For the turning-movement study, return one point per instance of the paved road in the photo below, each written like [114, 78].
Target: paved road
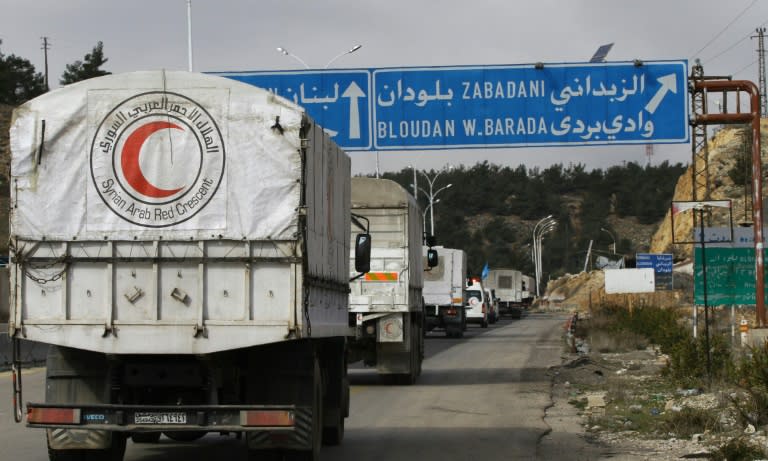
[483, 397]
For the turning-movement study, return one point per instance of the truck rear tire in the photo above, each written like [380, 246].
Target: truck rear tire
[146, 437]
[312, 454]
[80, 377]
[415, 357]
[265, 455]
[336, 392]
[185, 436]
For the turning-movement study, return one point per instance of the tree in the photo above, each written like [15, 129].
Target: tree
[88, 68]
[18, 80]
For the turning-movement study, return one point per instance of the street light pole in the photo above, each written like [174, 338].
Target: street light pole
[544, 225]
[415, 185]
[535, 255]
[424, 220]
[189, 34]
[285, 52]
[612, 238]
[548, 227]
[432, 194]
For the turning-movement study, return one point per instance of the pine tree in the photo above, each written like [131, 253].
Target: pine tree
[88, 68]
[18, 80]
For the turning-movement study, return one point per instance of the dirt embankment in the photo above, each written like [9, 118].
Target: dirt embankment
[581, 292]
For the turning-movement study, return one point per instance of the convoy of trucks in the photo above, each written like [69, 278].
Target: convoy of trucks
[444, 287]
[198, 258]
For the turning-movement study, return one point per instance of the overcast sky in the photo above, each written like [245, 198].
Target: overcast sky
[242, 35]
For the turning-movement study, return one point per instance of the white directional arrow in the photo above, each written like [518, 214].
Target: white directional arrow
[668, 83]
[353, 92]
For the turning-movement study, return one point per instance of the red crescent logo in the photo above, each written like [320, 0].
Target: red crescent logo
[130, 160]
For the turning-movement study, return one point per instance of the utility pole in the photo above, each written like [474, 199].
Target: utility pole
[189, 35]
[761, 70]
[46, 46]
[649, 152]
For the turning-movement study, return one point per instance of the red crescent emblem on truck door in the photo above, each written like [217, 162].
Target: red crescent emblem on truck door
[132, 167]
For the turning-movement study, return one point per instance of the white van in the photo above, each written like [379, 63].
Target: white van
[476, 305]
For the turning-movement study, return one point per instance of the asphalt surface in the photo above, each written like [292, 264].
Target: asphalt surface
[484, 397]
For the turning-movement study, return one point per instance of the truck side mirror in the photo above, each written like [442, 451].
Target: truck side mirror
[431, 258]
[363, 253]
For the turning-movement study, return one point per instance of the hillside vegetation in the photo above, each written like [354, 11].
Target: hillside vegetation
[490, 211]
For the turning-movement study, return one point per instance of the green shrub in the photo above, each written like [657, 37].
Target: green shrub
[751, 374]
[691, 421]
[659, 326]
[688, 361]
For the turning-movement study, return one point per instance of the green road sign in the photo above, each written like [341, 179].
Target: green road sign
[730, 276]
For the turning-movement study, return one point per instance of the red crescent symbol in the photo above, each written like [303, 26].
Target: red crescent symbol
[130, 160]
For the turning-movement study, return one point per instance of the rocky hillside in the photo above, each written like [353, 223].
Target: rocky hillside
[724, 150]
[579, 292]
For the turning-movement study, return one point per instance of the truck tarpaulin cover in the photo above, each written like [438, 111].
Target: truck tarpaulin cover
[131, 155]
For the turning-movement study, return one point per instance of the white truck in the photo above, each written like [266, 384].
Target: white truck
[182, 243]
[506, 287]
[386, 305]
[443, 291]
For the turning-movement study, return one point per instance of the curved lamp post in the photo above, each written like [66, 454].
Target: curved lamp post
[285, 52]
[349, 51]
[432, 194]
[545, 229]
[544, 226]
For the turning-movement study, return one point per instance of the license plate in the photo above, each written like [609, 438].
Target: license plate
[160, 418]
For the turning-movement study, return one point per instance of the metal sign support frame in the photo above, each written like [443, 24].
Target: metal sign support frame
[752, 117]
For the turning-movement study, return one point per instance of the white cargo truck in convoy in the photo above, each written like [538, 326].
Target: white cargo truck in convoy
[506, 285]
[386, 305]
[443, 291]
[182, 243]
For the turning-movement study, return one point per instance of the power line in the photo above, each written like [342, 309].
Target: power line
[732, 46]
[725, 28]
[726, 50]
[746, 67]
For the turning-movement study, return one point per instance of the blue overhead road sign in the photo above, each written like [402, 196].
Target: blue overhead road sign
[516, 106]
[492, 106]
[336, 100]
